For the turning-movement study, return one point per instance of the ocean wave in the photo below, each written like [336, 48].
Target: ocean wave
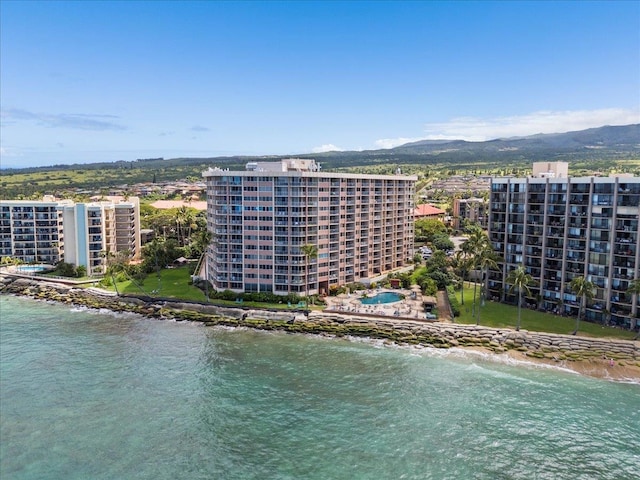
[462, 354]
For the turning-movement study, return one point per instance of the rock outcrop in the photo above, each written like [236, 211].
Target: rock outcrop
[440, 335]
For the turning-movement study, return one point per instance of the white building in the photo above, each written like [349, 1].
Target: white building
[49, 231]
[92, 230]
[30, 231]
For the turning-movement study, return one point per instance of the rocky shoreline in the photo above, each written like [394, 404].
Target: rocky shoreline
[610, 358]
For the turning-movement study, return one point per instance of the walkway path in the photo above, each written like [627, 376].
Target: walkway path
[444, 308]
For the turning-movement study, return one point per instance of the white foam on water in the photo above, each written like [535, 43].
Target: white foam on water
[473, 354]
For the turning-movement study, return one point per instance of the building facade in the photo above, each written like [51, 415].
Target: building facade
[560, 227]
[50, 231]
[126, 215]
[470, 209]
[362, 226]
[30, 231]
[93, 230]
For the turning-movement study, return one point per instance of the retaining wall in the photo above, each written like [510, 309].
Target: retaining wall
[436, 334]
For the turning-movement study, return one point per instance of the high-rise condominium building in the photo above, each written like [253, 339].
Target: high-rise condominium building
[361, 225]
[93, 230]
[79, 233]
[30, 231]
[559, 228]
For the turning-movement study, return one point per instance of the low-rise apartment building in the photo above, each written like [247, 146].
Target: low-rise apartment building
[561, 227]
[361, 225]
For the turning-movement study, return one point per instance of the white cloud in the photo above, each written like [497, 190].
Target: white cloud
[9, 152]
[478, 129]
[395, 142]
[78, 121]
[481, 129]
[327, 148]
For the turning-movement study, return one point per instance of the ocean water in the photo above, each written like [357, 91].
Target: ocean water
[93, 395]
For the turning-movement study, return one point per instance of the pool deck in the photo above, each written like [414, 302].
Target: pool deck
[412, 306]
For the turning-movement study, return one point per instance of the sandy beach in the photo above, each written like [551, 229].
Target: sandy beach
[600, 368]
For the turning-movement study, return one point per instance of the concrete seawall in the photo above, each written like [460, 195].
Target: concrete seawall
[547, 346]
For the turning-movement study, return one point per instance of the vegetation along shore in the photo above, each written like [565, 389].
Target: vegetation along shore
[606, 358]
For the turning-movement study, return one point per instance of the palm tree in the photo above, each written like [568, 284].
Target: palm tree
[201, 241]
[192, 225]
[183, 218]
[487, 259]
[634, 289]
[309, 251]
[585, 290]
[471, 247]
[204, 239]
[462, 262]
[520, 280]
[114, 263]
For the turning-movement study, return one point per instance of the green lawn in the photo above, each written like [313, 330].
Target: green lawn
[173, 283]
[495, 314]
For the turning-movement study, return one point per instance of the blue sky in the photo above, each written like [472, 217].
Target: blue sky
[105, 81]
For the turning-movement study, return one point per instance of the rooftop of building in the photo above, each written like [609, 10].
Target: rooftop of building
[592, 178]
[296, 167]
[426, 210]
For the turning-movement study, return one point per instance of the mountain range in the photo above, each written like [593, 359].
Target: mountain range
[585, 146]
[625, 138]
[608, 142]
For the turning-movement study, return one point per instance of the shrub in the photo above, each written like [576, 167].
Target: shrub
[333, 290]
[453, 301]
[65, 269]
[356, 286]
[81, 271]
[428, 286]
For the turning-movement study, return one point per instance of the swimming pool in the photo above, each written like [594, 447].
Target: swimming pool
[32, 268]
[384, 297]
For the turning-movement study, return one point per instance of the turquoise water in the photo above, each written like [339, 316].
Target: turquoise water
[32, 268]
[384, 297]
[90, 395]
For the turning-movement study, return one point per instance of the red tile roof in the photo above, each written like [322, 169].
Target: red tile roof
[426, 210]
